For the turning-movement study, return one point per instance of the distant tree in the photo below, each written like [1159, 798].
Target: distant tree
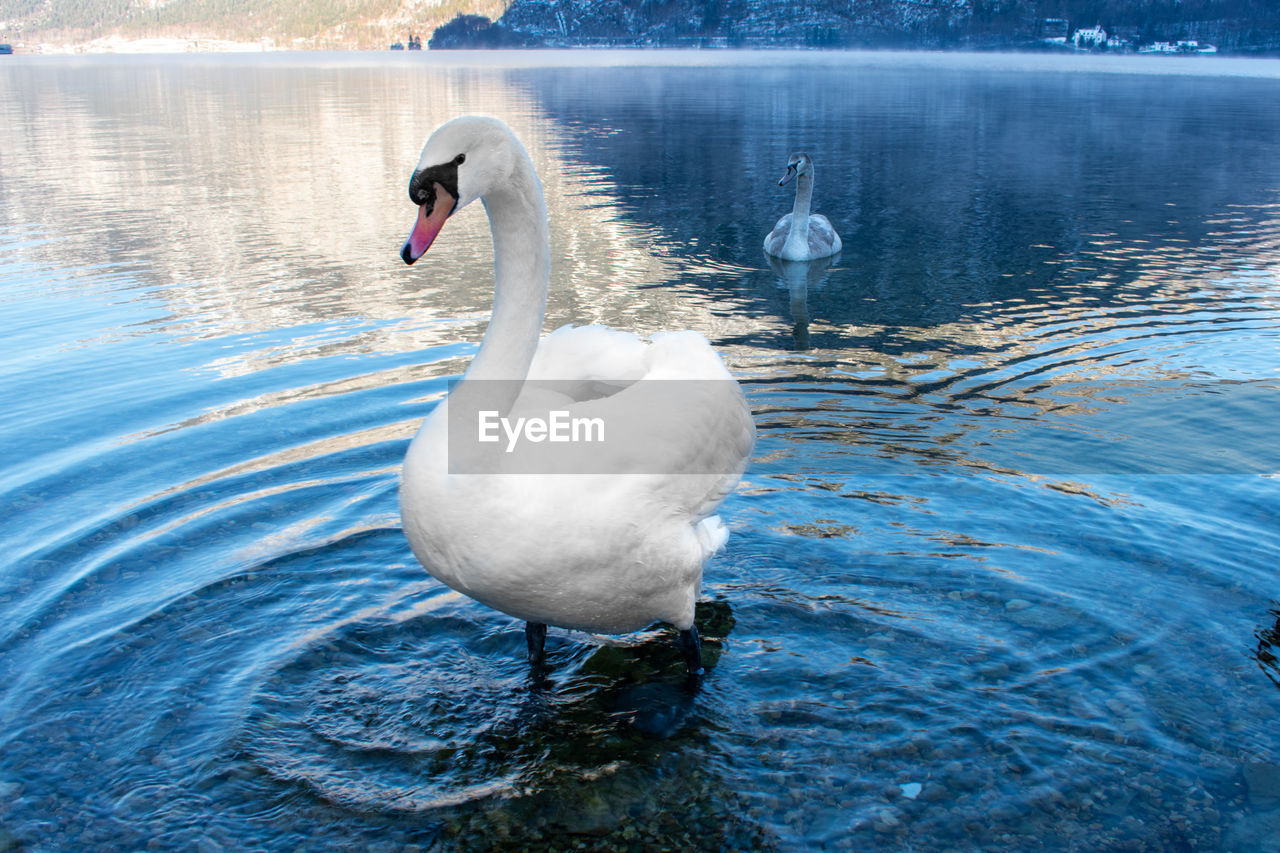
[467, 31]
[711, 13]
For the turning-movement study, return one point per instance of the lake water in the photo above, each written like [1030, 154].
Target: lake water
[1003, 569]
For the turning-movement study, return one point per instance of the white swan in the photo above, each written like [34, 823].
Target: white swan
[608, 550]
[801, 235]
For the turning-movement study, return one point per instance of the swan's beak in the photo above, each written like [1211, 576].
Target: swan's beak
[430, 220]
[790, 173]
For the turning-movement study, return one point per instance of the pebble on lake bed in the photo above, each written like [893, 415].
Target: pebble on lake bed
[885, 821]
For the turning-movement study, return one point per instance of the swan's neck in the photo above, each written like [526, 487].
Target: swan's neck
[522, 268]
[800, 211]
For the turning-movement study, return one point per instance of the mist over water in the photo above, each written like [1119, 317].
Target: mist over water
[1001, 574]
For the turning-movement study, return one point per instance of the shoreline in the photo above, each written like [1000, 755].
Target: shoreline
[120, 44]
[116, 44]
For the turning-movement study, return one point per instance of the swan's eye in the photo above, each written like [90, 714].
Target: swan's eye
[460, 159]
[421, 188]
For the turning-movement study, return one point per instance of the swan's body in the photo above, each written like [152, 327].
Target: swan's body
[801, 235]
[609, 549]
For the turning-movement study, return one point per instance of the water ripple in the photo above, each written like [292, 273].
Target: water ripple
[1001, 574]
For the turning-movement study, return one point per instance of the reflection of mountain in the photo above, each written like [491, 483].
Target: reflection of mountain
[244, 193]
[952, 189]
[257, 195]
[251, 196]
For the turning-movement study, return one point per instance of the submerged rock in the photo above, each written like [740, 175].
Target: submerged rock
[1262, 782]
[1259, 833]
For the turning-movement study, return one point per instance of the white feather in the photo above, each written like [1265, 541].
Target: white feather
[607, 552]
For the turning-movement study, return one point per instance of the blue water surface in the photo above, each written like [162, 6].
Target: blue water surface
[1001, 573]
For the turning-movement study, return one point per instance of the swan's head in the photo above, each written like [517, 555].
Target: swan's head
[797, 164]
[463, 159]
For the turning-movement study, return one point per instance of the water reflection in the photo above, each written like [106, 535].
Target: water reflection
[798, 278]
[1268, 642]
[959, 196]
[381, 716]
[285, 215]
[213, 632]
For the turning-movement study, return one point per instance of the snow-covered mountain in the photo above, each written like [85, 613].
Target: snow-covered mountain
[1236, 25]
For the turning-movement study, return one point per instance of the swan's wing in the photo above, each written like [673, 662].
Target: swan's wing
[739, 437]
[822, 236]
[596, 352]
[675, 414]
[586, 362]
[687, 424]
[777, 238]
[821, 223]
[720, 432]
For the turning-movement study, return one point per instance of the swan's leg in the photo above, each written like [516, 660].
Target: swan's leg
[535, 633]
[691, 648]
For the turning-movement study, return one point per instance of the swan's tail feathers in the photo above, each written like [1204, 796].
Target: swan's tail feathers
[712, 534]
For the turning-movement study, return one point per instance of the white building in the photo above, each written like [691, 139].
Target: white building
[1090, 37]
